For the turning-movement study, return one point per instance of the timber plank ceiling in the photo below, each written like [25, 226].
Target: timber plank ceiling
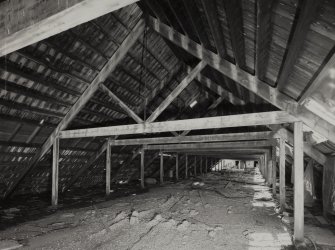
[285, 43]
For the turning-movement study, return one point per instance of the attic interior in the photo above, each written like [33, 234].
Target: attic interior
[189, 124]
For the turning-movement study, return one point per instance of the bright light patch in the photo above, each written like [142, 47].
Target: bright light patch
[332, 73]
[193, 103]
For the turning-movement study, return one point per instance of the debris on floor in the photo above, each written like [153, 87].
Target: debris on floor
[211, 214]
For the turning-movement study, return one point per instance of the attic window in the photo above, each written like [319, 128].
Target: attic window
[193, 103]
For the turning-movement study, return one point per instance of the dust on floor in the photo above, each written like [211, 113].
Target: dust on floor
[233, 210]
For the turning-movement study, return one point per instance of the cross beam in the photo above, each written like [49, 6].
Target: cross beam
[253, 119]
[195, 138]
[213, 145]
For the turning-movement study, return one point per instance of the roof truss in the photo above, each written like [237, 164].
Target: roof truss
[246, 79]
[83, 99]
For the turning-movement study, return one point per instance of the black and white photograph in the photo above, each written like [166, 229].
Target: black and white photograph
[167, 124]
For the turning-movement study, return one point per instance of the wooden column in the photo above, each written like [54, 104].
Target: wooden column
[177, 167]
[282, 173]
[195, 166]
[200, 165]
[263, 166]
[108, 169]
[274, 170]
[298, 183]
[55, 167]
[206, 169]
[161, 169]
[186, 166]
[266, 168]
[269, 166]
[142, 167]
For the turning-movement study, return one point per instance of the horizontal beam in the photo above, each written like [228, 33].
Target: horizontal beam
[27, 22]
[253, 119]
[215, 145]
[194, 138]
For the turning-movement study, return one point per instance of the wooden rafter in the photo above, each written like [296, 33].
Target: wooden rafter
[215, 26]
[194, 15]
[235, 22]
[247, 80]
[83, 99]
[319, 80]
[306, 15]
[219, 90]
[27, 29]
[263, 40]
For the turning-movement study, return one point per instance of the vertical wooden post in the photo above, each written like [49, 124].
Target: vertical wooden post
[55, 167]
[269, 165]
[195, 166]
[200, 165]
[274, 170]
[282, 174]
[298, 183]
[206, 169]
[266, 168]
[142, 167]
[186, 166]
[161, 169]
[108, 168]
[292, 174]
[177, 167]
[263, 166]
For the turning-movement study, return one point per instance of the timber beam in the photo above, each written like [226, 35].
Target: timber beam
[195, 138]
[213, 145]
[253, 119]
[54, 17]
